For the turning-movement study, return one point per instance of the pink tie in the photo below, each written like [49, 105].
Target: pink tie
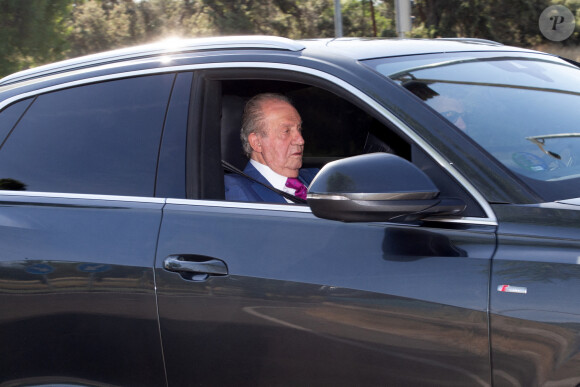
[298, 186]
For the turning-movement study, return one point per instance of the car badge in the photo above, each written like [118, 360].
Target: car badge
[512, 289]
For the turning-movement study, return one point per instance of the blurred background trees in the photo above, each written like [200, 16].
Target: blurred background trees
[33, 32]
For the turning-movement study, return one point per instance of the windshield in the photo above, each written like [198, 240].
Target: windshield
[522, 109]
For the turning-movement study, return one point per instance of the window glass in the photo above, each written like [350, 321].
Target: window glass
[100, 139]
[522, 109]
[171, 175]
[10, 116]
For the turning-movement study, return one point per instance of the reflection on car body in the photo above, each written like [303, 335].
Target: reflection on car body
[431, 251]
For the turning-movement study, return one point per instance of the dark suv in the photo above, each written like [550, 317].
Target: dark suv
[440, 244]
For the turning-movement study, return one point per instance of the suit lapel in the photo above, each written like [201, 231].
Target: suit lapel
[263, 192]
[307, 175]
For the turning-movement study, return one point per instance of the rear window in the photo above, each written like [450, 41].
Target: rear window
[98, 139]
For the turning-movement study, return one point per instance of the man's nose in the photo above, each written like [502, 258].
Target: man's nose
[298, 139]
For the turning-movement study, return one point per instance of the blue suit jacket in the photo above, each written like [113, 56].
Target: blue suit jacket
[241, 189]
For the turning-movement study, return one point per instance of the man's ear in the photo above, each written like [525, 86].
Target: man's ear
[255, 142]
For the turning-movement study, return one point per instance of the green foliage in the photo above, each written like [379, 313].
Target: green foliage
[97, 26]
[294, 19]
[518, 23]
[574, 7]
[453, 18]
[32, 32]
[358, 18]
[514, 22]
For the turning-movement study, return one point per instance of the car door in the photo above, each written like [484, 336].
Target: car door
[266, 294]
[78, 230]
[534, 321]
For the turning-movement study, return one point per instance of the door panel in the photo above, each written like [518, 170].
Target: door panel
[77, 294]
[535, 324]
[322, 302]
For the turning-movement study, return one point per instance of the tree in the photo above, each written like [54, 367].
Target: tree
[32, 32]
[451, 18]
[574, 7]
[517, 22]
[514, 22]
[357, 18]
[293, 19]
[103, 25]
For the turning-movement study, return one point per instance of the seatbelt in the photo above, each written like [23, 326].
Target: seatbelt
[230, 168]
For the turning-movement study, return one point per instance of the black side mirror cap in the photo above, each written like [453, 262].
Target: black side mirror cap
[376, 187]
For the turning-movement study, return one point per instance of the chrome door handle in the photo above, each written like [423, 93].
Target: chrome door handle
[197, 264]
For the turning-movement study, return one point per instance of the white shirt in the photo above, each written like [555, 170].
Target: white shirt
[276, 180]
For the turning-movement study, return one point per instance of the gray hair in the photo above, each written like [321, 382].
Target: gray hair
[253, 118]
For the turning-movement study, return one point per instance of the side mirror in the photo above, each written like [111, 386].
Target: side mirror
[376, 187]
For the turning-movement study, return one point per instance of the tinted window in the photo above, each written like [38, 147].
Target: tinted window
[101, 138]
[10, 116]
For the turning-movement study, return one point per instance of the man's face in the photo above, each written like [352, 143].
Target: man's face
[282, 145]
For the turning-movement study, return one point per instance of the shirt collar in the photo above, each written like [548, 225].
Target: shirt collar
[276, 180]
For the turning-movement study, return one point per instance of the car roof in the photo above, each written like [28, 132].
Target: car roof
[354, 48]
[368, 48]
[165, 47]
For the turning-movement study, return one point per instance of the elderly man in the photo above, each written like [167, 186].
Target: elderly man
[272, 139]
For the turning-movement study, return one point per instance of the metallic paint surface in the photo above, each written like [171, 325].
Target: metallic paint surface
[342, 304]
[77, 293]
[535, 337]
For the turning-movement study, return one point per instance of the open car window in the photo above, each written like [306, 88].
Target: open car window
[334, 127]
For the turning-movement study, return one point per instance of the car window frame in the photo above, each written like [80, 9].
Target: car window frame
[359, 97]
[161, 177]
[340, 87]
